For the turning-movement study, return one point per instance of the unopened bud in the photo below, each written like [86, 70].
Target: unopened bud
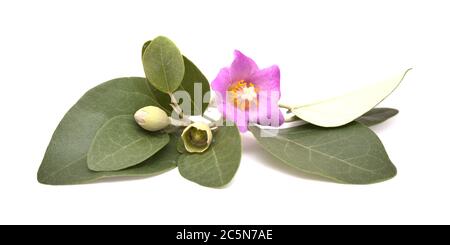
[152, 118]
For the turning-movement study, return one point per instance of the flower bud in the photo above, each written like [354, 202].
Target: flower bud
[197, 137]
[152, 118]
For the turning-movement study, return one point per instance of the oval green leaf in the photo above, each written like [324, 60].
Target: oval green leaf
[376, 116]
[163, 64]
[217, 166]
[350, 154]
[120, 143]
[65, 161]
[341, 110]
[194, 83]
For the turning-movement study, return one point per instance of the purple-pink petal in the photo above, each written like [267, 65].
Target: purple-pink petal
[267, 79]
[239, 117]
[267, 86]
[242, 67]
[222, 81]
[267, 113]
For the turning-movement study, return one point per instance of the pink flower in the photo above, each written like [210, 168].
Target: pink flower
[247, 94]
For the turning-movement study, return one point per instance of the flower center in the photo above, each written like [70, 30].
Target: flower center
[198, 137]
[243, 94]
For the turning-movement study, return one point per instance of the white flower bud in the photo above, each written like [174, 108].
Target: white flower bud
[152, 118]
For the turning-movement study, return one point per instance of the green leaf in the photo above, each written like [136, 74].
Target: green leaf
[144, 47]
[78, 173]
[216, 166]
[341, 110]
[377, 115]
[350, 154]
[65, 161]
[163, 64]
[120, 143]
[180, 146]
[192, 79]
[372, 117]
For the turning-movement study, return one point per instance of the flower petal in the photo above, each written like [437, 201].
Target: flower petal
[267, 112]
[243, 128]
[221, 83]
[267, 83]
[242, 67]
[231, 113]
[267, 79]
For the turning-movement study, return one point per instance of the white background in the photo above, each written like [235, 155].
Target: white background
[51, 52]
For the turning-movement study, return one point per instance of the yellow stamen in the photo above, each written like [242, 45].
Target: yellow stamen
[243, 94]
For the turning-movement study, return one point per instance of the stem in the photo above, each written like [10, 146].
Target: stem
[175, 106]
[179, 123]
[285, 106]
[208, 117]
[213, 123]
[292, 119]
